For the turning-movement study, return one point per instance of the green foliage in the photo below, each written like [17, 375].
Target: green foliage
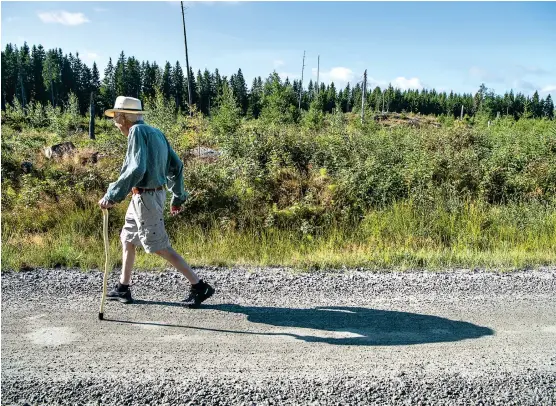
[72, 117]
[226, 119]
[279, 105]
[54, 118]
[39, 76]
[14, 115]
[316, 181]
[161, 113]
[67, 121]
[36, 116]
[314, 118]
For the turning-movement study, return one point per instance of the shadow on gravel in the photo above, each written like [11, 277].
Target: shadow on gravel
[360, 325]
[345, 325]
[160, 303]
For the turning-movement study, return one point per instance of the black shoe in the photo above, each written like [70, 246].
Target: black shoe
[198, 294]
[117, 294]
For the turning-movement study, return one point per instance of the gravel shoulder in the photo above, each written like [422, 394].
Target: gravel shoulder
[273, 336]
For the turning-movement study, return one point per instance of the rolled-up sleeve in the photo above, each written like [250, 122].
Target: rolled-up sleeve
[133, 169]
[175, 178]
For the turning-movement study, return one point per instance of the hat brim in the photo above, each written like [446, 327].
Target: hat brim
[110, 112]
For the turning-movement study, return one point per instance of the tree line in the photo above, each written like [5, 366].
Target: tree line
[39, 76]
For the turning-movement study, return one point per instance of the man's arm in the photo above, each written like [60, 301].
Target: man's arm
[175, 178]
[132, 171]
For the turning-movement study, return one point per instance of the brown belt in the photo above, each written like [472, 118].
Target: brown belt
[139, 190]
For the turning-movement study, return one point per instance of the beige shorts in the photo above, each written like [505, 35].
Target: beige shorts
[144, 221]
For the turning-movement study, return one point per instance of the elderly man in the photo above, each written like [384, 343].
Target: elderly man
[150, 164]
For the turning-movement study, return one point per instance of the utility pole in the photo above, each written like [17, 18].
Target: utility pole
[21, 83]
[92, 117]
[364, 94]
[22, 92]
[347, 104]
[461, 118]
[52, 92]
[186, 60]
[301, 86]
[318, 70]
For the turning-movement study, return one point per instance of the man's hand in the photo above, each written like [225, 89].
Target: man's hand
[174, 210]
[105, 204]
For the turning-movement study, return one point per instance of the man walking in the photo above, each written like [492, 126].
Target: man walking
[150, 165]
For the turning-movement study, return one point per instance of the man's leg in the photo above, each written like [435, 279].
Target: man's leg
[121, 291]
[200, 290]
[128, 235]
[128, 259]
[179, 263]
[156, 241]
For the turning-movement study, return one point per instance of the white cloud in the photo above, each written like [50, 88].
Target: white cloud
[550, 89]
[342, 76]
[518, 77]
[63, 17]
[100, 9]
[523, 84]
[339, 75]
[372, 83]
[90, 56]
[289, 75]
[405, 84]
[278, 63]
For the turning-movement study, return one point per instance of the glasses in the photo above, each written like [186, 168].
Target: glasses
[117, 116]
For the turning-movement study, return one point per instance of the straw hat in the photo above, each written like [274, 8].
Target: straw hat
[125, 104]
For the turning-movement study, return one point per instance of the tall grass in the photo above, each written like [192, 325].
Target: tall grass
[326, 193]
[400, 236]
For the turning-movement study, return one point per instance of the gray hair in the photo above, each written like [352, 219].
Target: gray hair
[129, 117]
[132, 118]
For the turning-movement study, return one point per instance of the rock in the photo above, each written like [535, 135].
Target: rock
[414, 122]
[59, 150]
[88, 157]
[26, 167]
[203, 152]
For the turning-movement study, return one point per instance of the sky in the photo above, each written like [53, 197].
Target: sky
[441, 45]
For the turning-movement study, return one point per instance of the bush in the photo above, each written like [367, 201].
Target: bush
[161, 113]
[36, 116]
[226, 120]
[288, 176]
[14, 116]
[54, 118]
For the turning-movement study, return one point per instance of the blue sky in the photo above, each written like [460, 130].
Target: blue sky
[443, 45]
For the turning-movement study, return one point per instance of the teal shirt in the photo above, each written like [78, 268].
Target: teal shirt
[150, 162]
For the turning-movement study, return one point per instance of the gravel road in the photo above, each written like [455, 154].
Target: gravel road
[275, 336]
